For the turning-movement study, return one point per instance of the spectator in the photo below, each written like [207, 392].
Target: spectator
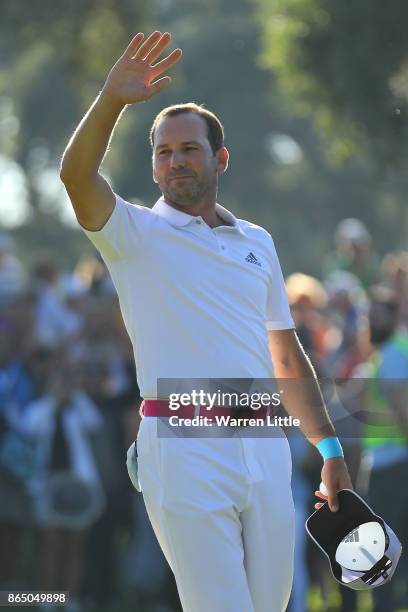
[308, 300]
[55, 322]
[67, 488]
[113, 401]
[386, 435]
[15, 455]
[94, 274]
[346, 316]
[395, 272]
[354, 252]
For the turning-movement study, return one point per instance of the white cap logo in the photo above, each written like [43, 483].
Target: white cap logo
[362, 547]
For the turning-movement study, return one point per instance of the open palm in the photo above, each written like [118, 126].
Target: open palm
[133, 77]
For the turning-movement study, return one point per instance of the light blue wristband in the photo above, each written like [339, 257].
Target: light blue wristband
[330, 448]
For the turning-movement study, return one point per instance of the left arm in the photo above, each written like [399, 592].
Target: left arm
[303, 400]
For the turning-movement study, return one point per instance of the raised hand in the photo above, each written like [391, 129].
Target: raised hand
[133, 78]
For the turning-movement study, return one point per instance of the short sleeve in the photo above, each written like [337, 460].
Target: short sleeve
[123, 233]
[278, 314]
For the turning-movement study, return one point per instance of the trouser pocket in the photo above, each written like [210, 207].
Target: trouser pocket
[131, 464]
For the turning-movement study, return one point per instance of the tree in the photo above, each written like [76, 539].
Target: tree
[53, 60]
[346, 65]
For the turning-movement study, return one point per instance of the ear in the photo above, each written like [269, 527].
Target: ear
[222, 156]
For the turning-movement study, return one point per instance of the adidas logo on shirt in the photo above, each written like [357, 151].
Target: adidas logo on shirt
[352, 537]
[252, 259]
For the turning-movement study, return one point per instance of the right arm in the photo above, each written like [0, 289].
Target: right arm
[91, 195]
[130, 81]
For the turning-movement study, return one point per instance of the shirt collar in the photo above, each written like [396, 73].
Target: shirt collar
[180, 219]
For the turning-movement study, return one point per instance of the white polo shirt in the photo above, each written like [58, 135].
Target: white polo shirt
[197, 301]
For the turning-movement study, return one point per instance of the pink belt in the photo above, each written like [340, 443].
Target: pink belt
[161, 408]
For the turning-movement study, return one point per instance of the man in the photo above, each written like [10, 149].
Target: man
[199, 291]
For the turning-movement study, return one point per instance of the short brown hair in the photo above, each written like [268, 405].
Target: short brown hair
[215, 129]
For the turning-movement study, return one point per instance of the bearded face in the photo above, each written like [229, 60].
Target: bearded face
[184, 164]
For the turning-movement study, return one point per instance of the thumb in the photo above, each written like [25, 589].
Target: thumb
[332, 498]
[159, 85]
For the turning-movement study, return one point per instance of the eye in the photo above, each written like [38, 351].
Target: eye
[191, 148]
[163, 152]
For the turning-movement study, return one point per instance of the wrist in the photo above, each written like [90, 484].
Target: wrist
[329, 448]
[110, 101]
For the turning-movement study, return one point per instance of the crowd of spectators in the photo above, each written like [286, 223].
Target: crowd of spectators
[69, 517]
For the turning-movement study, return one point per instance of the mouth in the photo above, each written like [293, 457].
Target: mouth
[177, 178]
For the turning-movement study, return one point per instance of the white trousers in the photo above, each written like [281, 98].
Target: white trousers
[223, 514]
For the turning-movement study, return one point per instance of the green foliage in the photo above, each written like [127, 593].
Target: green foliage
[55, 56]
[345, 64]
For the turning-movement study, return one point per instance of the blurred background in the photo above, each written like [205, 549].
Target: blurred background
[313, 95]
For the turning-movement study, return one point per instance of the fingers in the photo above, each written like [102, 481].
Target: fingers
[158, 48]
[151, 49]
[167, 62]
[334, 475]
[148, 45]
[331, 496]
[133, 45]
[319, 505]
[320, 495]
[159, 85]
[333, 499]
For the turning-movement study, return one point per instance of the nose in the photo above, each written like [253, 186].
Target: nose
[177, 159]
